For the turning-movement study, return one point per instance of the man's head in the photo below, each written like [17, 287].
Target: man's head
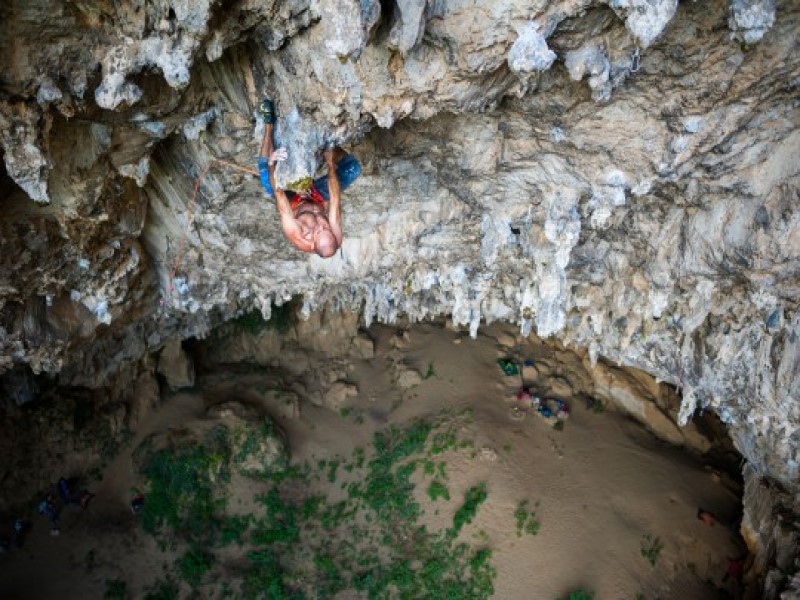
[325, 243]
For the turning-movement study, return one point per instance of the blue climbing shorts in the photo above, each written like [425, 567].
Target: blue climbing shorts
[347, 171]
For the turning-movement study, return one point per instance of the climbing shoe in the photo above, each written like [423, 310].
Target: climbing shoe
[268, 112]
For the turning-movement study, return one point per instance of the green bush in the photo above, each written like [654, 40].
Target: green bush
[526, 521]
[193, 566]
[473, 498]
[233, 529]
[116, 589]
[162, 589]
[181, 492]
[438, 490]
[580, 595]
[370, 542]
[651, 548]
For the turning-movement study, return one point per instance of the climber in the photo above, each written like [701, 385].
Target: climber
[312, 221]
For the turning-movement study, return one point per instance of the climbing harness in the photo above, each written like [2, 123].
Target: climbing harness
[190, 214]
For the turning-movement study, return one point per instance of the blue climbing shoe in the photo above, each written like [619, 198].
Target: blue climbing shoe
[268, 112]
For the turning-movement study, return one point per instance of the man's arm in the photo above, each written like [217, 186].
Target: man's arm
[290, 228]
[288, 223]
[335, 194]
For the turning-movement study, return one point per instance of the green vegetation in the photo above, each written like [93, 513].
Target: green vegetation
[580, 594]
[526, 521]
[431, 372]
[473, 498]
[193, 566]
[651, 548]
[529, 524]
[233, 529]
[116, 589]
[438, 490]
[597, 406]
[302, 543]
[181, 493]
[162, 589]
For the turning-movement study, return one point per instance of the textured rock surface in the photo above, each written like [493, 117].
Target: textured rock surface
[649, 213]
[771, 529]
[175, 365]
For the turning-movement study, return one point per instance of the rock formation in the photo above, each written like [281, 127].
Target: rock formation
[619, 174]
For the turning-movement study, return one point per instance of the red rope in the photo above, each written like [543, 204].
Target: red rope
[190, 213]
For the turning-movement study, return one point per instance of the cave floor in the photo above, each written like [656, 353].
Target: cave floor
[602, 489]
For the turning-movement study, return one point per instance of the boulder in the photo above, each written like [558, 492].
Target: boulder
[627, 393]
[406, 377]
[257, 450]
[335, 397]
[251, 447]
[176, 366]
[233, 409]
[559, 387]
[363, 347]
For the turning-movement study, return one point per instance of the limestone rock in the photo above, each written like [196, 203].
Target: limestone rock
[24, 160]
[652, 219]
[233, 409]
[749, 20]
[343, 30]
[257, 451]
[559, 386]
[407, 26]
[407, 377]
[336, 396]
[529, 52]
[622, 391]
[770, 530]
[401, 341]
[530, 373]
[645, 19]
[506, 340]
[487, 454]
[363, 347]
[176, 366]
[252, 446]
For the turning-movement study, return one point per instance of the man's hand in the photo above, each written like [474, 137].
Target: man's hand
[328, 155]
[278, 155]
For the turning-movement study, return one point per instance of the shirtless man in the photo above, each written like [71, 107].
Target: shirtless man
[311, 221]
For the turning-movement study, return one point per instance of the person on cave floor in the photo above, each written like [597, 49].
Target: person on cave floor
[311, 221]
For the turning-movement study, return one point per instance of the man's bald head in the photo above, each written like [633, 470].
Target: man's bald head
[325, 243]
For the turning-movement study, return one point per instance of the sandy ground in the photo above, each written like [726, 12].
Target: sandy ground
[597, 488]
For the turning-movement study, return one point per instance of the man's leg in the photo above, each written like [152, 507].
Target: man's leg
[338, 154]
[347, 171]
[267, 171]
[267, 145]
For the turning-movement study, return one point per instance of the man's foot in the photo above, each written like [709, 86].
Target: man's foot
[267, 110]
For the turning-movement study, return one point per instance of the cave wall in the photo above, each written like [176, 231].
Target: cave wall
[621, 175]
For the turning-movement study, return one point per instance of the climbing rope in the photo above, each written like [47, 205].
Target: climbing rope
[190, 213]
